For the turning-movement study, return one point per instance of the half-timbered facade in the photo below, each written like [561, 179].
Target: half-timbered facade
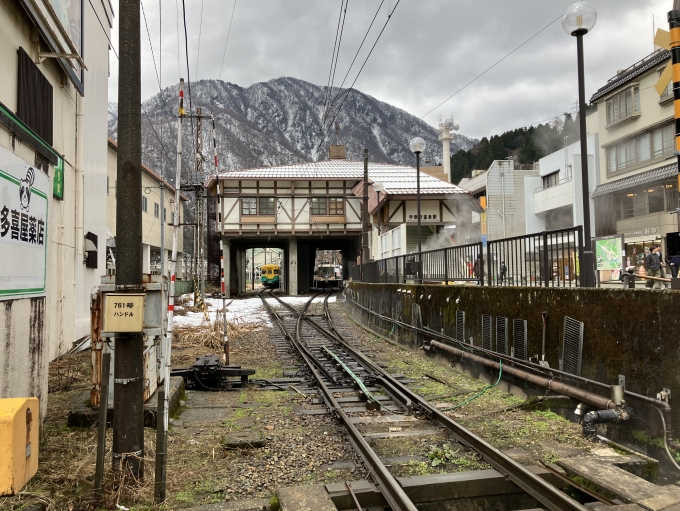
[308, 206]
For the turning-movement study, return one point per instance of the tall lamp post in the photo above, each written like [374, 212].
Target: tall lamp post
[377, 188]
[578, 20]
[418, 146]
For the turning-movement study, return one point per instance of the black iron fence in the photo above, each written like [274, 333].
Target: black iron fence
[545, 259]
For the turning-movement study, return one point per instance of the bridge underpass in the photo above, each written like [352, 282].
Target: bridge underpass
[297, 259]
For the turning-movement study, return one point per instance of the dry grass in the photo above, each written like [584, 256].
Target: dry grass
[210, 335]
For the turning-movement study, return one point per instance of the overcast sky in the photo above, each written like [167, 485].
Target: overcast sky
[429, 49]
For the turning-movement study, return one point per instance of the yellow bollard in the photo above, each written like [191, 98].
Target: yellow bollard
[19, 430]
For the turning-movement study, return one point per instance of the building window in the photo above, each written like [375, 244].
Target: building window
[156, 209]
[656, 198]
[336, 206]
[551, 179]
[107, 185]
[165, 215]
[34, 98]
[623, 105]
[258, 206]
[319, 206]
[328, 206]
[634, 152]
[668, 93]
[172, 218]
[144, 204]
[266, 205]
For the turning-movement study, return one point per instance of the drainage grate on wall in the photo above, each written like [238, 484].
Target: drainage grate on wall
[519, 338]
[502, 335]
[487, 333]
[460, 325]
[572, 347]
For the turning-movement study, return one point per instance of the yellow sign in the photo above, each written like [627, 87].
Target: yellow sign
[482, 222]
[123, 312]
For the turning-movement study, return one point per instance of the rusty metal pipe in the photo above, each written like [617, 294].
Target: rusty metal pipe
[548, 383]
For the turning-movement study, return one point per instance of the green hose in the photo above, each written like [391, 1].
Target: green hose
[386, 336]
[500, 373]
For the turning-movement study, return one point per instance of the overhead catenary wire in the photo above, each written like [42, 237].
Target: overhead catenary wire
[330, 69]
[219, 77]
[337, 54]
[200, 33]
[104, 30]
[358, 50]
[153, 56]
[337, 111]
[492, 66]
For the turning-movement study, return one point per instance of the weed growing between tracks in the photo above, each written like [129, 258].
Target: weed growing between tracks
[496, 416]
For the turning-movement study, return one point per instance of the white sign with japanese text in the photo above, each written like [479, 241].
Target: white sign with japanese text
[23, 228]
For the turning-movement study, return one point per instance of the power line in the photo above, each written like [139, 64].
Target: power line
[105, 34]
[151, 46]
[227, 43]
[186, 48]
[357, 53]
[337, 55]
[200, 33]
[327, 95]
[491, 67]
[355, 79]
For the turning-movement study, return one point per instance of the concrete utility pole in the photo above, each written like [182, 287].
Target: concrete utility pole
[128, 382]
[364, 234]
[162, 187]
[200, 205]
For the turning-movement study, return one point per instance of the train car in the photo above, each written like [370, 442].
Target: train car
[324, 275]
[269, 275]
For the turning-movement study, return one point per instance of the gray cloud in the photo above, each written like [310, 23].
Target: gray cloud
[429, 49]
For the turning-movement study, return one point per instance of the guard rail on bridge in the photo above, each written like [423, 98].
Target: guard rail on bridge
[545, 259]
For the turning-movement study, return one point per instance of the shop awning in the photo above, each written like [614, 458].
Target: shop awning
[650, 176]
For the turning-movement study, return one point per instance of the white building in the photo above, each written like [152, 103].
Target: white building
[501, 192]
[53, 130]
[555, 196]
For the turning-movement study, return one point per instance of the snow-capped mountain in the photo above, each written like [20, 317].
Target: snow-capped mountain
[278, 122]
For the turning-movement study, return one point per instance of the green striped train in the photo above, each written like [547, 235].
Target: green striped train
[269, 275]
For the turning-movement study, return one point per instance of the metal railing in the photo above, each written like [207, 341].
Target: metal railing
[553, 184]
[545, 259]
[439, 265]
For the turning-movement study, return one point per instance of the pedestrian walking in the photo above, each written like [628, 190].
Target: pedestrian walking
[504, 270]
[653, 267]
[478, 269]
[673, 262]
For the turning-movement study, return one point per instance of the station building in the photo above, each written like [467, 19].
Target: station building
[303, 207]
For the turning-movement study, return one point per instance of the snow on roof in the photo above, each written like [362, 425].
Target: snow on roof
[397, 179]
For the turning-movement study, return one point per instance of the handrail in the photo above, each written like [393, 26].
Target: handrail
[552, 185]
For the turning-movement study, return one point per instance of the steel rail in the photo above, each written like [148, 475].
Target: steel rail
[542, 491]
[390, 488]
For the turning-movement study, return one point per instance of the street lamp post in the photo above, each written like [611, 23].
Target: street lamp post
[377, 188]
[418, 146]
[578, 20]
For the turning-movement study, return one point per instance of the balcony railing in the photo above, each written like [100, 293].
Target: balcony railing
[552, 184]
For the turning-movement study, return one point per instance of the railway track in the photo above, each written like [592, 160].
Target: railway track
[335, 366]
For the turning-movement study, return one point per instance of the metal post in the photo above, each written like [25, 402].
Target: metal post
[420, 248]
[364, 234]
[159, 480]
[167, 352]
[588, 261]
[546, 261]
[101, 434]
[674, 26]
[446, 266]
[225, 339]
[128, 417]
[162, 187]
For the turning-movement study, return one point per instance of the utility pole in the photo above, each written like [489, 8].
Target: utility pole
[199, 202]
[128, 378]
[364, 229]
[162, 187]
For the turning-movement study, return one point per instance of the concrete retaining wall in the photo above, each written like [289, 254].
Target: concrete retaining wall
[631, 332]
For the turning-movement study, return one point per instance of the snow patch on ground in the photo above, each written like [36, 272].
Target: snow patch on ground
[249, 311]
